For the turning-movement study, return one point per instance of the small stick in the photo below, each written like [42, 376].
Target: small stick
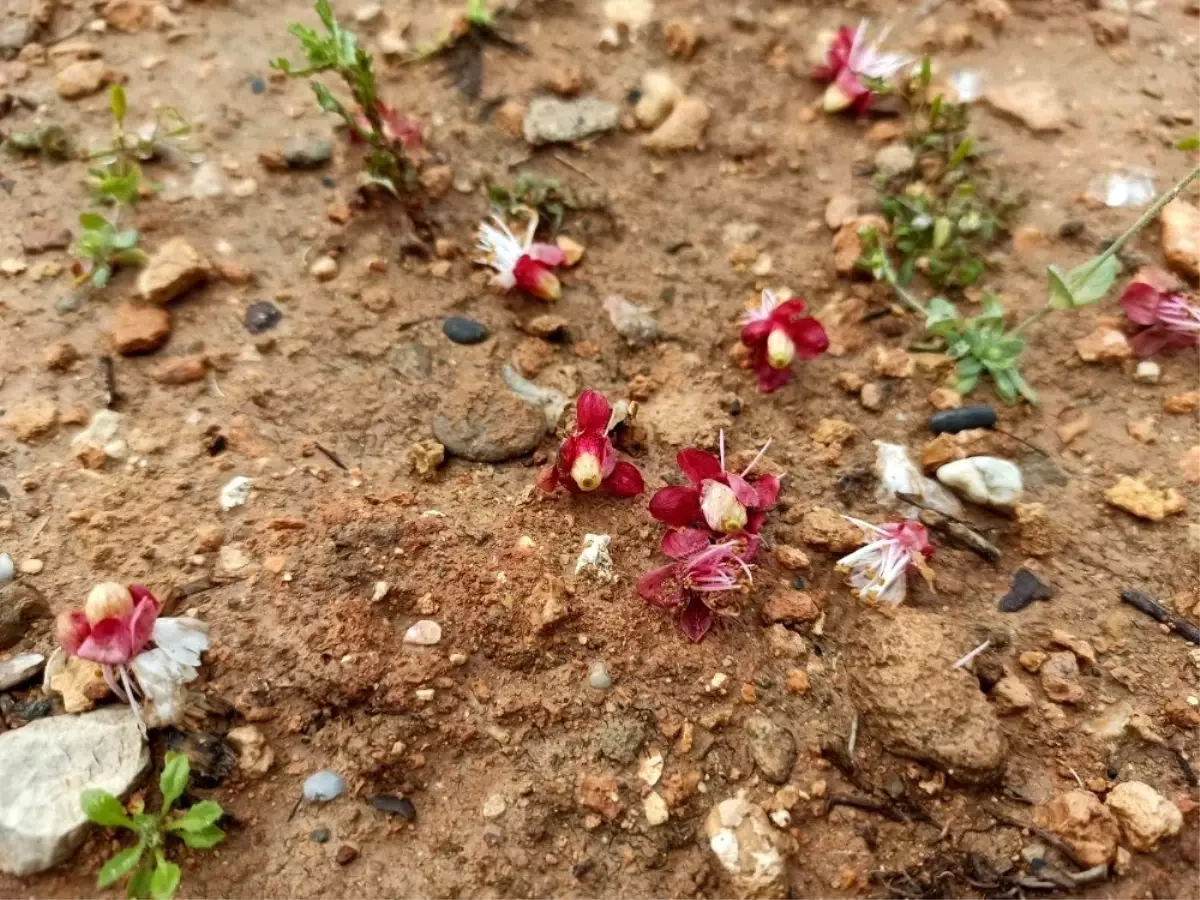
[974, 653]
[574, 168]
[1155, 610]
[1186, 767]
[109, 376]
[867, 805]
[331, 456]
[1047, 836]
[852, 741]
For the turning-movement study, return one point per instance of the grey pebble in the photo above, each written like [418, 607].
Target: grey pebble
[462, 330]
[324, 786]
[598, 676]
[307, 153]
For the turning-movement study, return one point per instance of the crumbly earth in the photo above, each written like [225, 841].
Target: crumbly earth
[303, 652]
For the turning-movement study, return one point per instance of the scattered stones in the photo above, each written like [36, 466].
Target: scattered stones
[1060, 674]
[1032, 660]
[595, 561]
[985, 480]
[425, 458]
[871, 397]
[84, 77]
[1181, 404]
[33, 421]
[840, 209]
[31, 566]
[60, 356]
[825, 529]
[1105, 345]
[549, 120]
[773, 748]
[235, 492]
[897, 474]
[1011, 695]
[601, 794]
[1181, 237]
[181, 369]
[462, 330]
[320, 836]
[485, 424]
[681, 39]
[634, 323]
[19, 669]
[660, 93]
[346, 854]
[261, 317]
[1084, 824]
[140, 329]
[655, 809]
[1035, 104]
[1081, 648]
[41, 237]
[1069, 431]
[323, 786]
[425, 633]
[307, 153]
[400, 807]
[208, 182]
[1144, 815]
[792, 558]
[255, 757]
[1138, 499]
[683, 129]
[20, 606]
[748, 848]
[895, 159]
[598, 677]
[891, 362]
[324, 268]
[129, 16]
[1024, 589]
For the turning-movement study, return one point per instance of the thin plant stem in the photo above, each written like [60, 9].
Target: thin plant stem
[890, 276]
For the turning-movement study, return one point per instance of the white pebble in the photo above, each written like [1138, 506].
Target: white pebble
[425, 633]
[32, 566]
[655, 808]
[595, 560]
[235, 492]
[324, 269]
[425, 695]
[598, 676]
[1147, 372]
[985, 480]
[7, 570]
[494, 807]
[324, 786]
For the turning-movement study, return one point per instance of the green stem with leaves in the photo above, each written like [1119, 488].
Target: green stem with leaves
[889, 275]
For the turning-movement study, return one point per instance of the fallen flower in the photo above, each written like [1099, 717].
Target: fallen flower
[398, 129]
[586, 460]
[701, 572]
[856, 69]
[878, 571]
[114, 629]
[1156, 300]
[520, 263]
[724, 502]
[777, 334]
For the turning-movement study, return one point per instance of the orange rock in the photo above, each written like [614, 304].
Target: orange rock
[1180, 404]
[140, 329]
[180, 369]
[1103, 345]
[1069, 431]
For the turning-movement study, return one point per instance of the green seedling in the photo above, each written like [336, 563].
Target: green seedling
[151, 874]
[531, 191]
[50, 140]
[116, 173]
[101, 247]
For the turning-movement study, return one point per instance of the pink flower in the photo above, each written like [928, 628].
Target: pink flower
[777, 334]
[723, 502]
[855, 68]
[878, 570]
[586, 460]
[521, 264]
[1155, 299]
[701, 572]
[115, 628]
[398, 129]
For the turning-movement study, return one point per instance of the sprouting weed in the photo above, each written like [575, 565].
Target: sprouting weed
[546, 195]
[116, 173]
[50, 140]
[389, 136]
[153, 875]
[101, 247]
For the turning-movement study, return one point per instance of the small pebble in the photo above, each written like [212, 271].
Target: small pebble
[400, 807]
[323, 786]
[424, 633]
[307, 153]
[1025, 589]
[346, 855]
[462, 330]
[7, 570]
[235, 492]
[598, 677]
[29, 710]
[32, 566]
[494, 807]
[319, 835]
[258, 86]
[1147, 372]
[261, 317]
[324, 269]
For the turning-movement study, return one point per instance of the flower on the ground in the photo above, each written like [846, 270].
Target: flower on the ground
[586, 460]
[116, 629]
[777, 334]
[878, 572]
[856, 69]
[1155, 299]
[520, 263]
[397, 129]
[702, 571]
[723, 502]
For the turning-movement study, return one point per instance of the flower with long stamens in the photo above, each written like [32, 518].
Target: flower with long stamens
[723, 502]
[586, 460]
[1156, 300]
[778, 333]
[701, 573]
[878, 572]
[116, 628]
[856, 69]
[520, 263]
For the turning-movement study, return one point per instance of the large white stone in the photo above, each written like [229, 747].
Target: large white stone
[985, 480]
[45, 766]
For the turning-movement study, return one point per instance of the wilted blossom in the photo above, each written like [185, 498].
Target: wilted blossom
[700, 578]
[1156, 300]
[725, 503]
[856, 69]
[116, 627]
[397, 129]
[778, 334]
[520, 263]
[586, 460]
[879, 570]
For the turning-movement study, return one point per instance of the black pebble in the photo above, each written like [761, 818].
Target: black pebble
[32, 709]
[257, 85]
[798, 582]
[320, 835]
[1025, 588]
[261, 317]
[953, 421]
[328, 182]
[462, 330]
[401, 807]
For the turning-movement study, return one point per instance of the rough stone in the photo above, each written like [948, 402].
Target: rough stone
[33, 421]
[683, 129]
[1104, 345]
[660, 93]
[1083, 823]
[825, 529]
[41, 237]
[773, 748]
[1181, 237]
[985, 480]
[173, 269]
[307, 153]
[255, 757]
[840, 209]
[1144, 815]
[1011, 695]
[549, 120]
[20, 669]
[600, 794]
[895, 159]
[487, 424]
[140, 329]
[789, 607]
[84, 77]
[1035, 104]
[180, 369]
[1138, 499]
[44, 767]
[1060, 674]
[748, 848]
[20, 606]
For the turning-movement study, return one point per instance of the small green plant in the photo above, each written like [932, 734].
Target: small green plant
[101, 247]
[116, 176]
[153, 875]
[545, 195]
[389, 136]
[50, 140]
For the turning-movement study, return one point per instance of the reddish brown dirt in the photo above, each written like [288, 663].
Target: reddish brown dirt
[301, 650]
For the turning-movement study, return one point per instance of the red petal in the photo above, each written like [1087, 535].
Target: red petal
[809, 337]
[535, 278]
[684, 542]
[547, 253]
[696, 620]
[140, 592]
[592, 412]
[598, 445]
[108, 644]
[770, 379]
[141, 623]
[676, 506]
[789, 311]
[1140, 302]
[660, 587]
[741, 488]
[698, 465]
[625, 480]
[756, 332]
[1149, 341]
[768, 490]
[72, 629]
[755, 519]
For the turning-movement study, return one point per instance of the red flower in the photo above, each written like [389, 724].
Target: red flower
[398, 129]
[723, 502]
[114, 627]
[1155, 299]
[523, 264]
[777, 334]
[586, 460]
[701, 571]
[854, 69]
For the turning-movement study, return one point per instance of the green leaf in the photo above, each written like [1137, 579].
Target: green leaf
[125, 239]
[116, 102]
[991, 310]
[103, 808]
[200, 816]
[1084, 284]
[174, 779]
[138, 887]
[101, 276]
[961, 152]
[326, 100]
[1024, 387]
[164, 881]
[134, 257]
[942, 228]
[121, 864]
[941, 317]
[203, 839]
[1189, 143]
[92, 221]
[1006, 387]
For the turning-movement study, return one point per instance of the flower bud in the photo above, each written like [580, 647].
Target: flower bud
[586, 472]
[780, 349]
[108, 601]
[722, 509]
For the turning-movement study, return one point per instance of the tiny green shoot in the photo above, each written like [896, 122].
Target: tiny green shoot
[101, 247]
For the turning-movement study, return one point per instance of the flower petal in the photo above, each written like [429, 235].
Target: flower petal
[696, 620]
[769, 379]
[625, 480]
[161, 679]
[675, 505]
[548, 480]
[183, 639]
[809, 337]
[746, 495]
[1149, 341]
[592, 412]
[661, 587]
[1140, 302]
[108, 643]
[547, 253]
[72, 629]
[535, 278]
[684, 542]
[767, 487]
[755, 519]
[790, 311]
[141, 623]
[756, 332]
[698, 465]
